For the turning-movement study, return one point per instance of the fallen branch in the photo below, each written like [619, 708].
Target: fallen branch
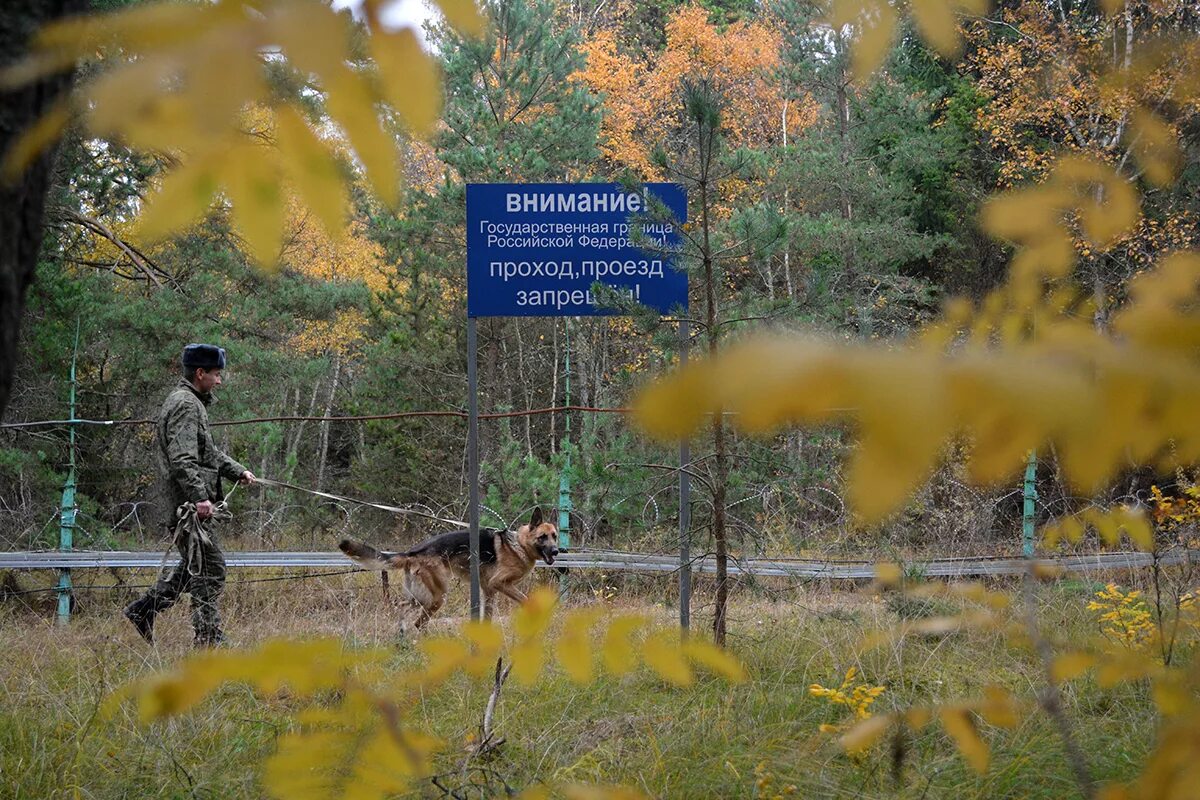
[486, 744]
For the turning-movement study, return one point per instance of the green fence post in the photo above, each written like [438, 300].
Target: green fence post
[1030, 501]
[68, 510]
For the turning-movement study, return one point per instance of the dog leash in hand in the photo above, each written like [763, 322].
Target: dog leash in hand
[380, 506]
[189, 522]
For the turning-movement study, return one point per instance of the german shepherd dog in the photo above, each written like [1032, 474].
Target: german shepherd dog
[505, 557]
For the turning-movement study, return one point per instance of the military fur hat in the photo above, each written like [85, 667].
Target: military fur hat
[203, 356]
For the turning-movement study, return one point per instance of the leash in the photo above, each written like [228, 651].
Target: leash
[380, 506]
[188, 522]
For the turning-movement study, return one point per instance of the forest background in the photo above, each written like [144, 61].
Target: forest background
[843, 205]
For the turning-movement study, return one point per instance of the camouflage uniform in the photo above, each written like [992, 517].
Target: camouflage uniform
[191, 467]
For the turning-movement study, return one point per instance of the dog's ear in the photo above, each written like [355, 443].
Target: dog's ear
[536, 519]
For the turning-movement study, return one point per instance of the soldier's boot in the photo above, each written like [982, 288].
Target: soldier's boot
[141, 615]
[208, 633]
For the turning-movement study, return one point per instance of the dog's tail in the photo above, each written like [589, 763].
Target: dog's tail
[371, 558]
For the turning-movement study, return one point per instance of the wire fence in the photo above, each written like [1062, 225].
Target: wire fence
[776, 515]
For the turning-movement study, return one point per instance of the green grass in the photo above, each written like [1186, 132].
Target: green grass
[702, 742]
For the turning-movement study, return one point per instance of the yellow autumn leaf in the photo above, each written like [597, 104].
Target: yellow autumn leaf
[533, 617]
[304, 666]
[1025, 213]
[306, 764]
[169, 124]
[888, 574]
[918, 717]
[251, 177]
[141, 28]
[716, 659]
[313, 37]
[865, 733]
[617, 648]
[410, 79]
[1069, 666]
[528, 660]
[178, 691]
[673, 410]
[1136, 525]
[443, 656]
[125, 93]
[663, 654]
[1108, 203]
[177, 77]
[978, 593]
[1073, 529]
[463, 16]
[1155, 147]
[937, 25]
[877, 31]
[998, 707]
[32, 141]
[388, 763]
[1047, 572]
[1106, 525]
[1173, 697]
[164, 697]
[944, 625]
[183, 197]
[958, 723]
[895, 459]
[488, 641]
[351, 105]
[574, 645]
[223, 79]
[312, 169]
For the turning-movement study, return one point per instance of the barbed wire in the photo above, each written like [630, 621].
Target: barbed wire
[355, 418]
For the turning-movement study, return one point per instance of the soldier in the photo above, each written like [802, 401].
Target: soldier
[192, 467]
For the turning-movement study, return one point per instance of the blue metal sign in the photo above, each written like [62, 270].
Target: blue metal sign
[536, 249]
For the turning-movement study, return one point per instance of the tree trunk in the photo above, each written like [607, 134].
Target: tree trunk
[526, 392]
[335, 372]
[787, 203]
[721, 466]
[22, 203]
[843, 119]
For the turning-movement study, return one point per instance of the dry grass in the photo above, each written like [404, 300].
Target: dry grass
[705, 741]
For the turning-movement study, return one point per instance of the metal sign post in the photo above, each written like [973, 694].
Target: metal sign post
[537, 250]
[564, 479]
[473, 464]
[685, 507]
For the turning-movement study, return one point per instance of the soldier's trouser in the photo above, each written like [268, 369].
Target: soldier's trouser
[201, 573]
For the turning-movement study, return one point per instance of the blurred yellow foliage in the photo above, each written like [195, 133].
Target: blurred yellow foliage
[351, 736]
[176, 78]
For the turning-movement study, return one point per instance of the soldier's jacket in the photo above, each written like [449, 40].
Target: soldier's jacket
[190, 464]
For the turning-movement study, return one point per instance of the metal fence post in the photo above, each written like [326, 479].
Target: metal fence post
[68, 509]
[1030, 502]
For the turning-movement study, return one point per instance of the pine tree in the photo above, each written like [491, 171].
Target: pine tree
[513, 110]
